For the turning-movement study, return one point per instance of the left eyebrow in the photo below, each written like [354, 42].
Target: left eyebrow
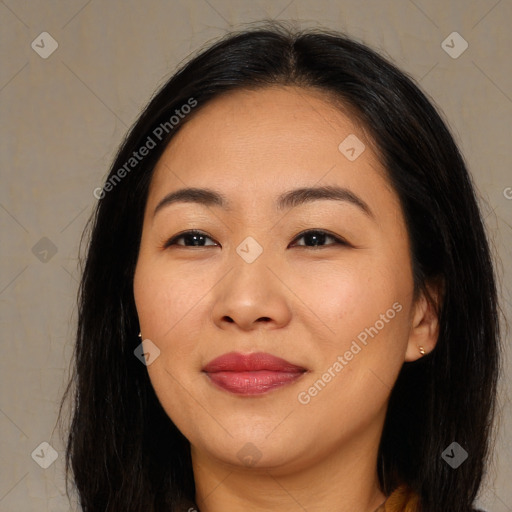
[287, 200]
[303, 195]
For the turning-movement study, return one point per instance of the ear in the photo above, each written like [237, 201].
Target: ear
[424, 331]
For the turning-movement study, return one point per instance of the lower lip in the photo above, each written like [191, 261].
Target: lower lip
[252, 383]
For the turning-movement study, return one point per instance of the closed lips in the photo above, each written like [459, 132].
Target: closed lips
[251, 374]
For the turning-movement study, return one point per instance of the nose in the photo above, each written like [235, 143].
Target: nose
[252, 296]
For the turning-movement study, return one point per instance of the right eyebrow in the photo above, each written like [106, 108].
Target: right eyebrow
[203, 196]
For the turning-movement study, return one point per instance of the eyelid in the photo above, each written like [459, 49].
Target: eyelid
[338, 239]
[172, 240]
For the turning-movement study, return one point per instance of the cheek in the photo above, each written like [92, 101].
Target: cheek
[168, 305]
[366, 310]
[352, 295]
[365, 305]
[164, 298]
[173, 308]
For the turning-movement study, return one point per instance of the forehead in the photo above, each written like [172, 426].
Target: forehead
[254, 142]
[268, 116]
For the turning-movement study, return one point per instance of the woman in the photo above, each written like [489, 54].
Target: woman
[288, 301]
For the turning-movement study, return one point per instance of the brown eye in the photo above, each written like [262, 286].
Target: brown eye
[196, 239]
[317, 237]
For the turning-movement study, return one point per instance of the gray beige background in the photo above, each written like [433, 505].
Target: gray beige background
[64, 116]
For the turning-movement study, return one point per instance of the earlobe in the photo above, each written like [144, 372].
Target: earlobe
[424, 331]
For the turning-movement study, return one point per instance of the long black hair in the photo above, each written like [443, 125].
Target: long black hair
[124, 451]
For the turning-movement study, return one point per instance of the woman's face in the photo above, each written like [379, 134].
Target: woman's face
[335, 303]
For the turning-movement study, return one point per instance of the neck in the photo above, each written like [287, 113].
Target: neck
[344, 480]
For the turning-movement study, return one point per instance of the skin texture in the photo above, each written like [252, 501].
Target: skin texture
[304, 303]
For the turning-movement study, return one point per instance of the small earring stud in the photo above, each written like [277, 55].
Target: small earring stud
[139, 335]
[422, 350]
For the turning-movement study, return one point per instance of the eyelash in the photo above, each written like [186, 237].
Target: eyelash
[338, 240]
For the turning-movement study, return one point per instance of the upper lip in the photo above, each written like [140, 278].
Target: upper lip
[236, 362]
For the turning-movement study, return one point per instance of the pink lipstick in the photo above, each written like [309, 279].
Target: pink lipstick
[251, 374]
